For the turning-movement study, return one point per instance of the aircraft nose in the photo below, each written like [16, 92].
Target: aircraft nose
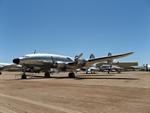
[16, 60]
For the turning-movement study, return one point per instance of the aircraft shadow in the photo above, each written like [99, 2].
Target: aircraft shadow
[89, 77]
[82, 77]
[116, 78]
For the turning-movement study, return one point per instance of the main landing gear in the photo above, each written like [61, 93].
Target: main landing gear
[24, 76]
[71, 75]
[47, 75]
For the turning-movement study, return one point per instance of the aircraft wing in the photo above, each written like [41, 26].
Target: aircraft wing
[102, 59]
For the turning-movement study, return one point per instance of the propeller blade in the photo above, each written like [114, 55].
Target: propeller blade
[92, 56]
[77, 57]
[81, 54]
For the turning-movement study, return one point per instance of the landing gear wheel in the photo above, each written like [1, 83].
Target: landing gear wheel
[71, 75]
[47, 75]
[23, 76]
[119, 71]
[0, 73]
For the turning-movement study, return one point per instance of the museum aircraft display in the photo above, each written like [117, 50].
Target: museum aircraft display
[46, 62]
[9, 67]
[144, 67]
[107, 67]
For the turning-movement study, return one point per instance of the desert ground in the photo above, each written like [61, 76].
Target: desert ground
[128, 92]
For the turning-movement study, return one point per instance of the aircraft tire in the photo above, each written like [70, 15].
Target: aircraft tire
[71, 75]
[23, 76]
[47, 75]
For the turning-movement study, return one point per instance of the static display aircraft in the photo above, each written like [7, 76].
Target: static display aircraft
[46, 62]
[145, 67]
[9, 67]
[109, 67]
[92, 69]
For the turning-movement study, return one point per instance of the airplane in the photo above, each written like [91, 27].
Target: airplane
[105, 67]
[110, 68]
[145, 67]
[9, 67]
[2, 65]
[92, 69]
[46, 62]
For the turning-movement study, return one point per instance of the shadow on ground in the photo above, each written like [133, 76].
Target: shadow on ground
[82, 77]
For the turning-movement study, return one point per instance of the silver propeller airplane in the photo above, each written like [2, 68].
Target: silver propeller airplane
[9, 67]
[45, 62]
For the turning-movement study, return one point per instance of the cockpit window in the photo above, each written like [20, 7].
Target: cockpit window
[69, 59]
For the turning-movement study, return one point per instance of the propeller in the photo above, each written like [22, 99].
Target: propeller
[34, 51]
[109, 54]
[92, 56]
[54, 62]
[77, 57]
[78, 63]
[109, 61]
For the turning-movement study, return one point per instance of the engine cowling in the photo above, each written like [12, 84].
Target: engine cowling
[16, 60]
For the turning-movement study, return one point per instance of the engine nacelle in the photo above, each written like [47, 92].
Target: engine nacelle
[81, 63]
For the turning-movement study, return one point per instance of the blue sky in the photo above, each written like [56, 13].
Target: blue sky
[69, 27]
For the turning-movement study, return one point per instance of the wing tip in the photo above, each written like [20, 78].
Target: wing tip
[131, 52]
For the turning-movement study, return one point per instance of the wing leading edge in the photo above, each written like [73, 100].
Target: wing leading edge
[102, 59]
